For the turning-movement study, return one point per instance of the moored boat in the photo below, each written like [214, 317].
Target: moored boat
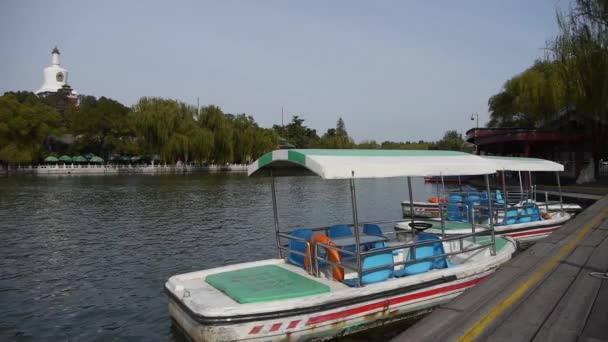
[526, 221]
[333, 281]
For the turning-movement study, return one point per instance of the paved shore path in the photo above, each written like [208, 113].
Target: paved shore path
[544, 294]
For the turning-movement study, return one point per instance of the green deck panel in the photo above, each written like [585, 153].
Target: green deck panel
[500, 241]
[264, 284]
[451, 225]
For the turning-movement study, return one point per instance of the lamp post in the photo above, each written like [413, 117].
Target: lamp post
[475, 132]
[477, 115]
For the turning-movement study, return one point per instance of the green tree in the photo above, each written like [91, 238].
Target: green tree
[100, 125]
[24, 125]
[336, 138]
[452, 140]
[215, 120]
[529, 99]
[581, 49]
[299, 135]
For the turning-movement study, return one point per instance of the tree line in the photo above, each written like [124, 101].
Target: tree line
[32, 128]
[573, 75]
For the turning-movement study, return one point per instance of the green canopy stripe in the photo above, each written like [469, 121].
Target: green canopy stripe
[265, 159]
[375, 153]
[297, 157]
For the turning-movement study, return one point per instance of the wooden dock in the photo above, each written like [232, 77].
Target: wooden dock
[545, 293]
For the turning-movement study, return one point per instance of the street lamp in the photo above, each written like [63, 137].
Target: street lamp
[475, 131]
[477, 115]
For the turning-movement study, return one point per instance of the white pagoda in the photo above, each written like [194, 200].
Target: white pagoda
[56, 78]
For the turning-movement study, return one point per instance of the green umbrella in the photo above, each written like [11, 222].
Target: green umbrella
[65, 159]
[125, 159]
[51, 159]
[89, 155]
[96, 159]
[79, 159]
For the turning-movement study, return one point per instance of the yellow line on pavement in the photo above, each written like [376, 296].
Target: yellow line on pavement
[480, 326]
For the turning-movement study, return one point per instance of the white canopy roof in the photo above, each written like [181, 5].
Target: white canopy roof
[340, 164]
[523, 164]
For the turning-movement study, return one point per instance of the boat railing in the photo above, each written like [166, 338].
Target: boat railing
[305, 254]
[547, 202]
[412, 246]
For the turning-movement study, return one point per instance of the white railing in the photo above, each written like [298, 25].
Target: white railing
[109, 168]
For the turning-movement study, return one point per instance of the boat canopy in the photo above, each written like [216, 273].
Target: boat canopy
[523, 164]
[340, 164]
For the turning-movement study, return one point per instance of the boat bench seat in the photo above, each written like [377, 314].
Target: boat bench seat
[426, 251]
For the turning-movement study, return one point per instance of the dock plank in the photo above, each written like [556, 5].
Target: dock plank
[540, 302]
[567, 321]
[596, 327]
[546, 305]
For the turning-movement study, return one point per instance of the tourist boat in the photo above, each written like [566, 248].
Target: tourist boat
[332, 281]
[430, 208]
[526, 221]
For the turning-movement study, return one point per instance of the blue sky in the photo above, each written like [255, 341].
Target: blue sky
[396, 70]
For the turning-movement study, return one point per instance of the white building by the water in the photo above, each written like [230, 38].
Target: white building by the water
[55, 78]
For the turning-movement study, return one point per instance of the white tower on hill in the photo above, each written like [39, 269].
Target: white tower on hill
[55, 78]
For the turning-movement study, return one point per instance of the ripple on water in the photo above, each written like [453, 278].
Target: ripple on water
[85, 258]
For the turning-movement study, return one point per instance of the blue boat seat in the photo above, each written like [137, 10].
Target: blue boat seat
[373, 229]
[425, 252]
[456, 212]
[499, 198]
[342, 230]
[372, 261]
[532, 211]
[339, 230]
[511, 216]
[471, 201]
[299, 246]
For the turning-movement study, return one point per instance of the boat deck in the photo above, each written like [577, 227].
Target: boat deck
[545, 293]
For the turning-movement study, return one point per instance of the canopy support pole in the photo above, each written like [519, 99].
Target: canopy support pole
[521, 188]
[276, 215]
[409, 189]
[559, 188]
[532, 195]
[441, 209]
[491, 215]
[504, 190]
[353, 195]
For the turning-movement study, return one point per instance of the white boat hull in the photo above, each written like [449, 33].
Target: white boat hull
[197, 308]
[523, 233]
[431, 210]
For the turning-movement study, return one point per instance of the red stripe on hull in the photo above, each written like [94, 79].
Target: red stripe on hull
[293, 324]
[533, 232]
[392, 301]
[276, 327]
[256, 330]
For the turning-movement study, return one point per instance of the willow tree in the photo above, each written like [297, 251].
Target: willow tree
[215, 120]
[529, 99]
[581, 48]
[168, 127]
[24, 125]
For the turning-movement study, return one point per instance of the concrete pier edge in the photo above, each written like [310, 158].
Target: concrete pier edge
[544, 293]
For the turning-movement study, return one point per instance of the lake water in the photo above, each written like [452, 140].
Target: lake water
[86, 257]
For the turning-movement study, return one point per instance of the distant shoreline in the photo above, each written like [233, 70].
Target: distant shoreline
[117, 169]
